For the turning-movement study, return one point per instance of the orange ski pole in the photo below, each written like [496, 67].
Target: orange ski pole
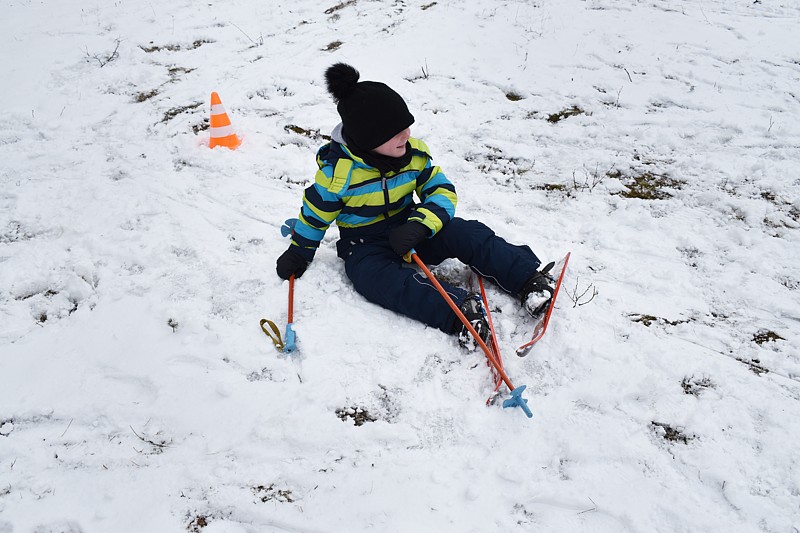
[494, 346]
[516, 399]
[291, 337]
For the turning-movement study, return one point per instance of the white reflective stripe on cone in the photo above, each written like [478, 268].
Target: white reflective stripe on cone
[217, 109]
[224, 131]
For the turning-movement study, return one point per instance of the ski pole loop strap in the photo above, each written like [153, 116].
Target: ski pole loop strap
[275, 336]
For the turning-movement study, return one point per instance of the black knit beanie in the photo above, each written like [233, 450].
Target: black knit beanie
[372, 113]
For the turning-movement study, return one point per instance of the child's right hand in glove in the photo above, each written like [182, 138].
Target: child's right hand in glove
[290, 263]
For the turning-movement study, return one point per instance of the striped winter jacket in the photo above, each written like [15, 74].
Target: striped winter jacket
[362, 201]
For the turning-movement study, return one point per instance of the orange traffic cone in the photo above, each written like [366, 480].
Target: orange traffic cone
[222, 133]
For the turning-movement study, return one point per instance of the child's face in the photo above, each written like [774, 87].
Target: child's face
[396, 146]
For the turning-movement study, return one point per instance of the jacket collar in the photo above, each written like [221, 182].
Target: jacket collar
[379, 162]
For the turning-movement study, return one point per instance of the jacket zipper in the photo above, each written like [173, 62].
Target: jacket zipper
[385, 196]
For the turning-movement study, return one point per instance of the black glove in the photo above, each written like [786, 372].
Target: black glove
[290, 263]
[404, 238]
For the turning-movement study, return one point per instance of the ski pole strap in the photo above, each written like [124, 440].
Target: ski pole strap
[275, 336]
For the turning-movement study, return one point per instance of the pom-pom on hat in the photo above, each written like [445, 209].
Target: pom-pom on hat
[372, 113]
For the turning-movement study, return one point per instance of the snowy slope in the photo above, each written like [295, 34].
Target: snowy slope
[658, 141]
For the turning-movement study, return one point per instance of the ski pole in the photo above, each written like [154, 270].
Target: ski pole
[290, 335]
[494, 345]
[463, 319]
[516, 399]
[289, 346]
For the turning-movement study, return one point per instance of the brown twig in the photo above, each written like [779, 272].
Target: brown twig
[103, 61]
[590, 510]
[576, 298]
[156, 444]
[68, 425]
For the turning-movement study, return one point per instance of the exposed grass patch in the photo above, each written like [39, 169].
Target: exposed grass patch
[311, 134]
[333, 46]
[49, 293]
[175, 111]
[428, 6]
[268, 92]
[339, 6]
[650, 160]
[691, 255]
[550, 187]
[203, 126]
[670, 433]
[270, 493]
[197, 524]
[514, 97]
[648, 320]
[199, 42]
[265, 374]
[695, 386]
[786, 216]
[766, 336]
[359, 415]
[144, 96]
[14, 232]
[770, 197]
[789, 283]
[566, 113]
[648, 186]
[493, 161]
[172, 47]
[159, 48]
[755, 366]
[174, 72]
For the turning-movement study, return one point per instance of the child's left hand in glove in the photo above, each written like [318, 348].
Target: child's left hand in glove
[404, 238]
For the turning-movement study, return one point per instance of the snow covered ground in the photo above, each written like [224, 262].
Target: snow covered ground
[658, 141]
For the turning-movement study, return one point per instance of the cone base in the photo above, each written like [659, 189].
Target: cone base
[231, 142]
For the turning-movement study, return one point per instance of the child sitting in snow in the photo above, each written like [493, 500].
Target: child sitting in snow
[367, 177]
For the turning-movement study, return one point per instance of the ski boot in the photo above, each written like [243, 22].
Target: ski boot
[472, 307]
[538, 291]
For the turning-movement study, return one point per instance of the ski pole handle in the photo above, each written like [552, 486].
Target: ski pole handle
[291, 339]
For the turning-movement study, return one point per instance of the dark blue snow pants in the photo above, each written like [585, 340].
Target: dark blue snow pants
[382, 277]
